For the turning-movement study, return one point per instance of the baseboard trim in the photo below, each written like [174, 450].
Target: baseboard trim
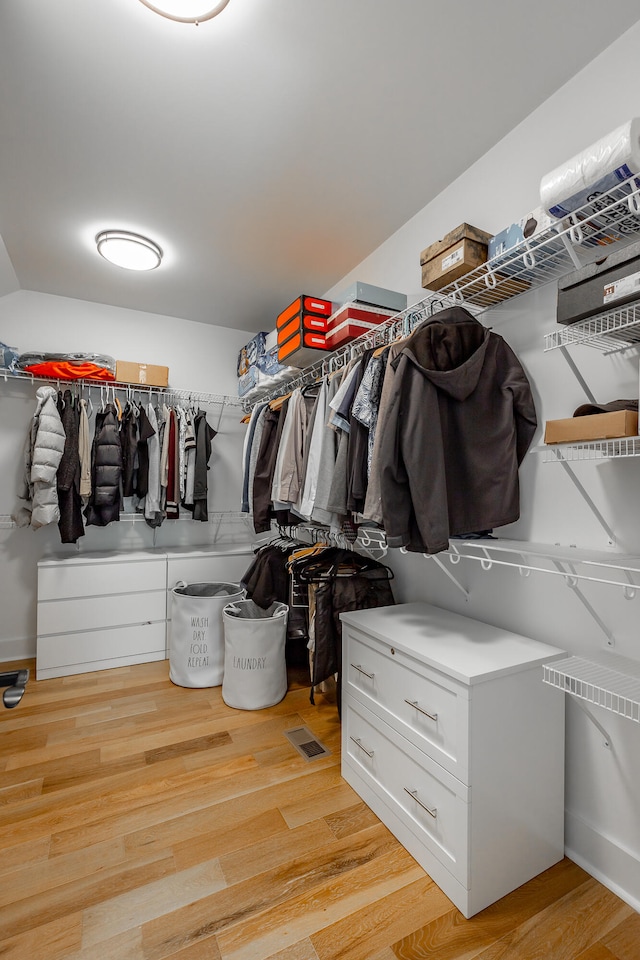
[17, 648]
[610, 864]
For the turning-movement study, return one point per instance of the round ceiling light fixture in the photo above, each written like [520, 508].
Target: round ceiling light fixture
[129, 250]
[186, 11]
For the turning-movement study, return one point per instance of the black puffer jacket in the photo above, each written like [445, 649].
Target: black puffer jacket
[106, 470]
[70, 524]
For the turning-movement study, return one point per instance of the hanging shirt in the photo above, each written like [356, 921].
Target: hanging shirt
[84, 452]
[152, 510]
[306, 502]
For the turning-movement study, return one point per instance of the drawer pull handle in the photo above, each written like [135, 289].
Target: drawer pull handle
[414, 703]
[356, 666]
[369, 753]
[414, 793]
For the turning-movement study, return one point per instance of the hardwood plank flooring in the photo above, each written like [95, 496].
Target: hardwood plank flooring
[144, 821]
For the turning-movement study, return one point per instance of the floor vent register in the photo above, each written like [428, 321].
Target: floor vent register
[307, 745]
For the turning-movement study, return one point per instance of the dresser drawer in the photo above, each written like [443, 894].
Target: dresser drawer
[428, 708]
[60, 579]
[432, 803]
[207, 568]
[94, 613]
[99, 649]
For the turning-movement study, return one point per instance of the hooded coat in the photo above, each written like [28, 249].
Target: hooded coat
[459, 423]
[42, 454]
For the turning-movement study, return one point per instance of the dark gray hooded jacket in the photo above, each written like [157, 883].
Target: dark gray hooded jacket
[460, 421]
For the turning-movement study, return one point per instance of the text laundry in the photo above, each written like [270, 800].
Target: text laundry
[249, 663]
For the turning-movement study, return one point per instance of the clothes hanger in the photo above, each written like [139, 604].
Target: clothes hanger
[277, 403]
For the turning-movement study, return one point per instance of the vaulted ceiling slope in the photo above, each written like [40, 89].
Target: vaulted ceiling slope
[269, 150]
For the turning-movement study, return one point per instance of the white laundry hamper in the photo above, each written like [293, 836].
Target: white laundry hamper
[255, 667]
[196, 648]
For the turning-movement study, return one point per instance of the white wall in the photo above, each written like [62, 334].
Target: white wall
[602, 785]
[201, 358]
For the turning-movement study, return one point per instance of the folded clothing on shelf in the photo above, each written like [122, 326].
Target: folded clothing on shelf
[68, 366]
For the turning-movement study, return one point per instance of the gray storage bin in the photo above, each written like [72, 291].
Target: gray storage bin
[196, 649]
[255, 668]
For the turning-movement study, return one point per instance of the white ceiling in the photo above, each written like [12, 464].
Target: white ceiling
[269, 150]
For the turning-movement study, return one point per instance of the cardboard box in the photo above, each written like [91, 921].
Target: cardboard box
[303, 349]
[303, 324]
[604, 285]
[351, 321]
[526, 228]
[459, 252]
[303, 307]
[372, 296]
[142, 373]
[597, 426]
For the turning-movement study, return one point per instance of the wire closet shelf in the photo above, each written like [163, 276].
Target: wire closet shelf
[170, 393]
[612, 217]
[591, 450]
[609, 332]
[614, 685]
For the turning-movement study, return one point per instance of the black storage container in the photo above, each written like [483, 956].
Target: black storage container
[604, 285]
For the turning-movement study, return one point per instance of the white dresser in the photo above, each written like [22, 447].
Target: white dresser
[453, 740]
[102, 610]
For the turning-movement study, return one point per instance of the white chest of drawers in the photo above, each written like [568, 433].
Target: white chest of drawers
[453, 740]
[111, 609]
[100, 610]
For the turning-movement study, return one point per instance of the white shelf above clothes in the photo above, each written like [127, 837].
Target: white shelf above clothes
[170, 393]
[613, 218]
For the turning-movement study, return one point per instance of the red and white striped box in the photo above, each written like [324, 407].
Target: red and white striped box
[351, 320]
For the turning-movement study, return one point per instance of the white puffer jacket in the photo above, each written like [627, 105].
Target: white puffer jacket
[42, 455]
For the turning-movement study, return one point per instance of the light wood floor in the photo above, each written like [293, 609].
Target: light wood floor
[140, 820]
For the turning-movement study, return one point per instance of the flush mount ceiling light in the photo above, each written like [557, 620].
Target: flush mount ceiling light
[129, 250]
[186, 11]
